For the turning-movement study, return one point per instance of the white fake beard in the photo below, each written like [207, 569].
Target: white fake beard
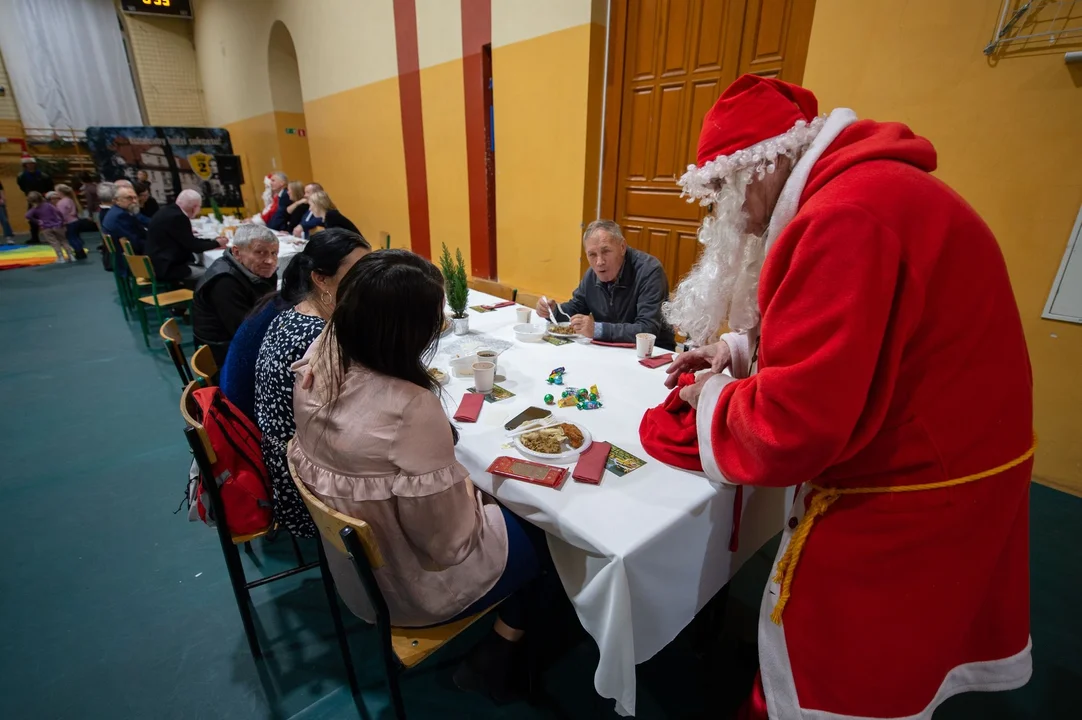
[268, 196]
[723, 285]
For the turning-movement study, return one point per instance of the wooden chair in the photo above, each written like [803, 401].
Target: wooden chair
[119, 277]
[205, 366]
[171, 337]
[528, 299]
[401, 648]
[141, 269]
[493, 288]
[205, 458]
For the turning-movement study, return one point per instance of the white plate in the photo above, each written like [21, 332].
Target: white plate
[548, 331]
[565, 456]
[446, 376]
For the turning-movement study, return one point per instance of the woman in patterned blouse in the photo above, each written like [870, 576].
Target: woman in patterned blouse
[310, 286]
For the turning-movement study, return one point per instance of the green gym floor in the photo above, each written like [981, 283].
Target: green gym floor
[113, 606]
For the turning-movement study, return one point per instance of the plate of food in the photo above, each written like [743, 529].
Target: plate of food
[561, 442]
[439, 375]
[563, 330]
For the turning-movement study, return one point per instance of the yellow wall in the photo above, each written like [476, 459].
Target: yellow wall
[356, 143]
[547, 117]
[1008, 140]
[541, 103]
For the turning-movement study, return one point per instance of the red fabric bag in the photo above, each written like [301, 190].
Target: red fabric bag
[668, 431]
[238, 466]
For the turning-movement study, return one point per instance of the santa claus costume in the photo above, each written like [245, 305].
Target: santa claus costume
[879, 366]
[270, 204]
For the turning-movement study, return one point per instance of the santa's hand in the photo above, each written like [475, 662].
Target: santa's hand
[690, 393]
[714, 357]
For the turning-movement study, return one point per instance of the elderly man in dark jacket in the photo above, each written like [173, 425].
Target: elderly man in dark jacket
[232, 286]
[33, 180]
[621, 294]
[171, 242]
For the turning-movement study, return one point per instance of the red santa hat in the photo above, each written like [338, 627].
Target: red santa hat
[755, 121]
[26, 158]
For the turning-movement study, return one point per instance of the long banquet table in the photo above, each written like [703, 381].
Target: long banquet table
[638, 555]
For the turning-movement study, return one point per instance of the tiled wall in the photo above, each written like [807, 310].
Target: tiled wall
[167, 72]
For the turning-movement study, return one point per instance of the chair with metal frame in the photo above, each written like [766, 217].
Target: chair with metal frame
[205, 458]
[171, 337]
[205, 366]
[142, 270]
[121, 280]
[401, 648]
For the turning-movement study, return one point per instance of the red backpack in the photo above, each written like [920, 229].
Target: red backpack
[238, 468]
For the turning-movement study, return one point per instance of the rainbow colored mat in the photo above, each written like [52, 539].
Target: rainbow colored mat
[17, 256]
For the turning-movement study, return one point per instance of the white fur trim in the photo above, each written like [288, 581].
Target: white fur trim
[777, 673]
[789, 200]
[700, 183]
[704, 421]
[740, 350]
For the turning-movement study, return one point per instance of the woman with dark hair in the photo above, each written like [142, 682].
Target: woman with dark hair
[309, 288]
[373, 442]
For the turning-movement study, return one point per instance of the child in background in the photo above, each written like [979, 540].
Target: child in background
[51, 222]
[65, 202]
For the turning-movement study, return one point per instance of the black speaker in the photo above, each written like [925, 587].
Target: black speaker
[229, 172]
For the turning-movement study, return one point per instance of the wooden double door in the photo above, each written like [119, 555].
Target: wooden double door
[669, 61]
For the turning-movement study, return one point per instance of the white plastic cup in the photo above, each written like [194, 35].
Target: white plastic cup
[490, 356]
[644, 344]
[523, 314]
[484, 376]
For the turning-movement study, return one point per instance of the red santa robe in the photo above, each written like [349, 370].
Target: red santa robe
[891, 353]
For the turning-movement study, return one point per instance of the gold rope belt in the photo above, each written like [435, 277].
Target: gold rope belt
[825, 497]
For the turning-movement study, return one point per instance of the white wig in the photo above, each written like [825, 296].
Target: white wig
[723, 285]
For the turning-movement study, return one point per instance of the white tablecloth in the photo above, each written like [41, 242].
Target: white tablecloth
[638, 555]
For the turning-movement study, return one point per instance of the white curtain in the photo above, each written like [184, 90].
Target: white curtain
[66, 63]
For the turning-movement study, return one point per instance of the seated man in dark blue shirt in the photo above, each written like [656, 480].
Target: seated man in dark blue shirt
[620, 295]
[123, 220]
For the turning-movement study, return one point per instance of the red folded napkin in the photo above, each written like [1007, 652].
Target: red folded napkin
[497, 306]
[612, 344]
[591, 464]
[470, 407]
[657, 361]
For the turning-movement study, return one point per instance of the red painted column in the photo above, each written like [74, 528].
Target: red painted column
[413, 131]
[476, 33]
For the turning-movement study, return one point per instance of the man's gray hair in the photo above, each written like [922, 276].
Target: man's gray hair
[106, 192]
[607, 226]
[249, 233]
[281, 176]
[189, 198]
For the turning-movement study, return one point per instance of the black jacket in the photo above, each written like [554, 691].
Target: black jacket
[224, 296]
[36, 181]
[335, 219]
[295, 217]
[629, 305]
[150, 208]
[170, 243]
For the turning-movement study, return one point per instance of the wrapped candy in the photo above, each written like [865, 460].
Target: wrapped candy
[589, 405]
[569, 401]
[556, 377]
[549, 400]
[583, 394]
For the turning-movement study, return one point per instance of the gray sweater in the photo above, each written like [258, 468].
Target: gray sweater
[628, 305]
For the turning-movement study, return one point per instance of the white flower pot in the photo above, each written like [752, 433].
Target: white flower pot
[461, 326]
